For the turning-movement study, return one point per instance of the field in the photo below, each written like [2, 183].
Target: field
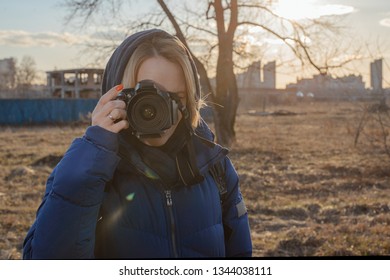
[308, 189]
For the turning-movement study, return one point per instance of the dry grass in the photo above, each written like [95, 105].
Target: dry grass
[308, 190]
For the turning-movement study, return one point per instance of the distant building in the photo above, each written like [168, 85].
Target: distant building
[269, 74]
[257, 85]
[251, 78]
[7, 73]
[75, 83]
[326, 86]
[376, 75]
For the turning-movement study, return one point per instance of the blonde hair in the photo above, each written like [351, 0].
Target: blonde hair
[173, 50]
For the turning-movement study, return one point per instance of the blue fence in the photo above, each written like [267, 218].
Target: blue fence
[53, 111]
[44, 111]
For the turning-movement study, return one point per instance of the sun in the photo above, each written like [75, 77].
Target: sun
[308, 9]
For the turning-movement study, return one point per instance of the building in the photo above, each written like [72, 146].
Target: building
[269, 74]
[7, 73]
[75, 83]
[376, 75]
[326, 86]
[251, 78]
[257, 85]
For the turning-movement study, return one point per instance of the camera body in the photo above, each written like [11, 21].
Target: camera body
[150, 110]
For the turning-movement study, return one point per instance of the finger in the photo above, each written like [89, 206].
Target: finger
[102, 120]
[116, 127]
[112, 126]
[102, 117]
[116, 104]
[114, 116]
[117, 114]
[122, 114]
[108, 108]
[109, 95]
[106, 121]
[114, 122]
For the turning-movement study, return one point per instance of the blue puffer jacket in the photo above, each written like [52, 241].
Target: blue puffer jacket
[97, 205]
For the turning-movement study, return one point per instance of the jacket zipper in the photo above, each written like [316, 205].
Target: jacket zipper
[168, 197]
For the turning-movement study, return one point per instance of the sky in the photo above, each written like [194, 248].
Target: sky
[37, 29]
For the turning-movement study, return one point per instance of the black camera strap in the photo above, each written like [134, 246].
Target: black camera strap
[190, 149]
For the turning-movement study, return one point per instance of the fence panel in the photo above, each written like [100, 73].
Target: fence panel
[44, 111]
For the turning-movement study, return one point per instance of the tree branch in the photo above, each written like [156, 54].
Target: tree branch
[81, 9]
[233, 19]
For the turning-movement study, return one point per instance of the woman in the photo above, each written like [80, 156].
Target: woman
[122, 193]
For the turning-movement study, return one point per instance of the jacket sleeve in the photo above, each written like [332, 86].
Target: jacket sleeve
[66, 219]
[235, 217]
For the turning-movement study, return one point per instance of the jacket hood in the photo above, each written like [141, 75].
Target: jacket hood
[116, 65]
[112, 76]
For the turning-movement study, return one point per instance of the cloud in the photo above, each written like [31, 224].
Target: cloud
[310, 9]
[336, 10]
[23, 38]
[385, 22]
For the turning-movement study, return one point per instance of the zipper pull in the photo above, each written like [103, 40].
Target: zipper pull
[168, 196]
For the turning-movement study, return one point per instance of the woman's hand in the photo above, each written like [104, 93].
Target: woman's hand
[109, 113]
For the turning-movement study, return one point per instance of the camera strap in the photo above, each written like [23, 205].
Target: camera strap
[190, 149]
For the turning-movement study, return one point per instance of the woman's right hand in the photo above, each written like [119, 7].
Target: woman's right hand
[110, 113]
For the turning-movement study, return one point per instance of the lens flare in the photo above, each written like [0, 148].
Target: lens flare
[151, 174]
[130, 196]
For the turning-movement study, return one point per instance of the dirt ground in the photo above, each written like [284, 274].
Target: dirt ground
[308, 189]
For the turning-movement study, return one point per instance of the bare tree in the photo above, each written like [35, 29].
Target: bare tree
[374, 123]
[217, 28]
[26, 73]
[374, 126]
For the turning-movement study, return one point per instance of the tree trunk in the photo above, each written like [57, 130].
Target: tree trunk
[226, 90]
[227, 96]
[225, 99]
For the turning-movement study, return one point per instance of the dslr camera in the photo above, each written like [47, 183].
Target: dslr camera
[150, 110]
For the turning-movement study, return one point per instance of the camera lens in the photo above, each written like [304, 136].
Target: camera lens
[148, 112]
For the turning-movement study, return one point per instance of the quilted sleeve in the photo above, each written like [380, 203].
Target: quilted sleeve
[235, 217]
[66, 219]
